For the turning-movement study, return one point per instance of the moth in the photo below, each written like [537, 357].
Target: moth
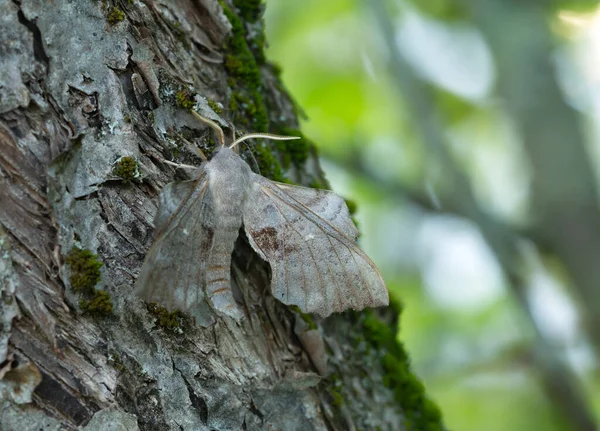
[306, 235]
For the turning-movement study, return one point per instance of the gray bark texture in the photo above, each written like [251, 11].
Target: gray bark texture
[85, 86]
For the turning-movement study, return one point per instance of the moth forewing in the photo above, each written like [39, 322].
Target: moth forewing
[188, 266]
[173, 196]
[170, 275]
[314, 260]
[324, 203]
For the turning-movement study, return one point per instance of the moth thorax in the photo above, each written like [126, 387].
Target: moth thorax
[228, 191]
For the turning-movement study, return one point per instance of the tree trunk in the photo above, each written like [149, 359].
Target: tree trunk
[94, 97]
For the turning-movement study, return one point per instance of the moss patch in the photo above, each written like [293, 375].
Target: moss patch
[85, 274]
[248, 107]
[352, 206]
[317, 183]
[267, 163]
[115, 15]
[126, 169]
[240, 61]
[421, 413]
[245, 53]
[165, 319]
[306, 317]
[215, 106]
[248, 112]
[249, 10]
[85, 269]
[185, 98]
[98, 305]
[334, 386]
[294, 152]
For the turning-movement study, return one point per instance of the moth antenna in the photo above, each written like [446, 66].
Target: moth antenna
[264, 136]
[180, 165]
[212, 124]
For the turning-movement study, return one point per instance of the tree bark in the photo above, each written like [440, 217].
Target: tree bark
[94, 96]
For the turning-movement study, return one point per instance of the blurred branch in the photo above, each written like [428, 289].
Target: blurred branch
[558, 380]
[564, 186]
[355, 163]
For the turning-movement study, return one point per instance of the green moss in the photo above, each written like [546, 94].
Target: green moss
[249, 10]
[98, 305]
[85, 274]
[237, 67]
[247, 112]
[126, 169]
[215, 106]
[294, 152]
[258, 48]
[85, 269]
[306, 317]
[151, 117]
[333, 386]
[421, 413]
[115, 15]
[185, 98]
[276, 69]
[317, 183]
[338, 399]
[267, 164]
[165, 319]
[240, 62]
[352, 206]
[209, 144]
[247, 104]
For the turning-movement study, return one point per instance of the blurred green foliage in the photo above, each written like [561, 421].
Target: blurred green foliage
[475, 359]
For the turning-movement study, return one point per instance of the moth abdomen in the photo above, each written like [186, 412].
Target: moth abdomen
[218, 268]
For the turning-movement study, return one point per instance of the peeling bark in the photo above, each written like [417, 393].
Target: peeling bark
[80, 90]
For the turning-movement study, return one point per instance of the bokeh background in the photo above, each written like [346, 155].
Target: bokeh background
[467, 133]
